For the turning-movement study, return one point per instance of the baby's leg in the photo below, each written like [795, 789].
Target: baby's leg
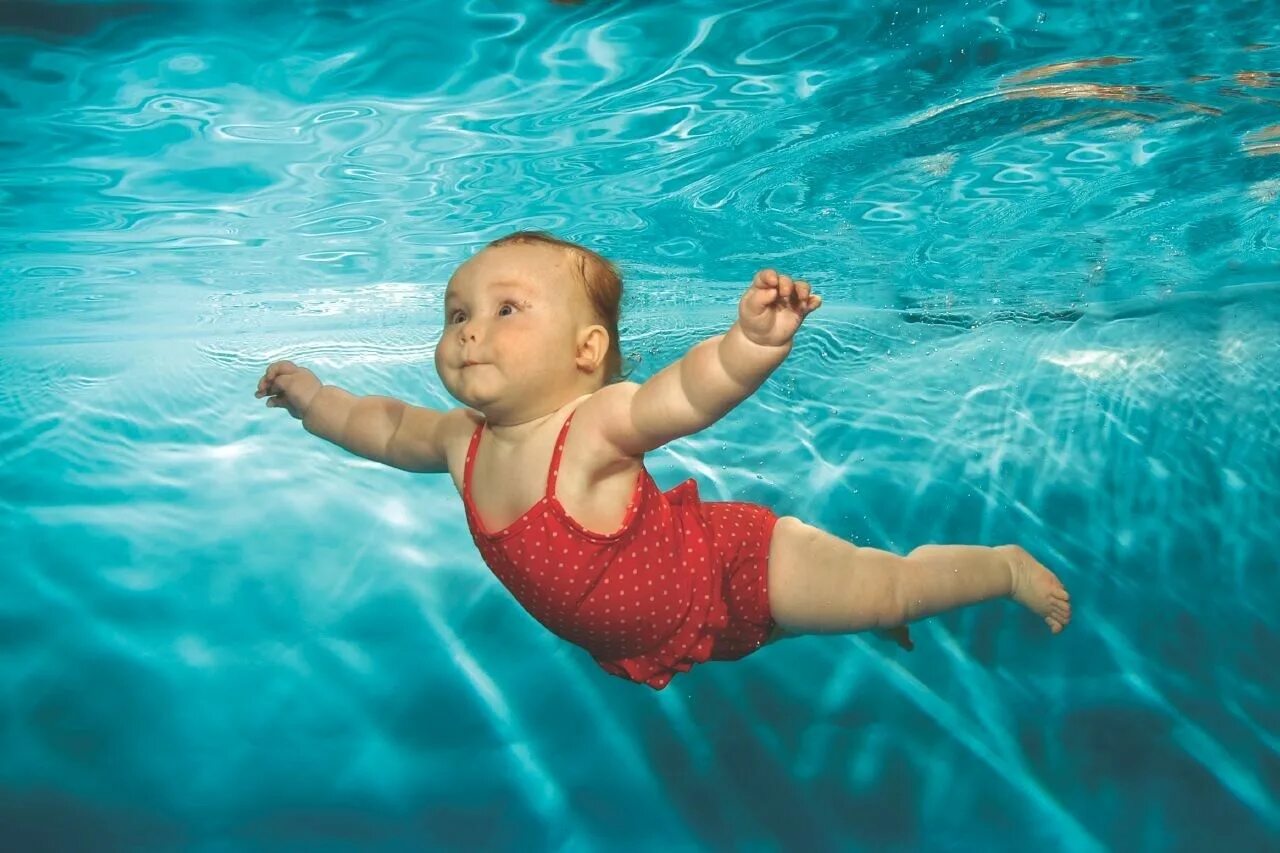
[820, 584]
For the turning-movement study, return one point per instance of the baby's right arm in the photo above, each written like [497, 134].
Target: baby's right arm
[383, 429]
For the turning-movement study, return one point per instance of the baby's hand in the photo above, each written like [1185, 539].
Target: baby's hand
[774, 307]
[289, 386]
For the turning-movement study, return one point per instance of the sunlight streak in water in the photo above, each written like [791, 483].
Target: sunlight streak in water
[1045, 237]
[1103, 364]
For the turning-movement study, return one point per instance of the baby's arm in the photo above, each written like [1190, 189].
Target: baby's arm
[702, 387]
[714, 376]
[383, 429]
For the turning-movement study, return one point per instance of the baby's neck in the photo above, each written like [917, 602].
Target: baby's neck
[515, 427]
[516, 432]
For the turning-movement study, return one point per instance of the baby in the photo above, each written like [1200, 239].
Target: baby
[648, 582]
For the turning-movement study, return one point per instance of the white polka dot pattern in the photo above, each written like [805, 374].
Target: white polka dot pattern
[679, 583]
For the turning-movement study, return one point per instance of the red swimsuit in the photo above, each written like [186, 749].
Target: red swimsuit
[681, 582]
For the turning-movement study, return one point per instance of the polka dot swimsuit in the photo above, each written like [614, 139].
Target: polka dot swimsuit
[681, 582]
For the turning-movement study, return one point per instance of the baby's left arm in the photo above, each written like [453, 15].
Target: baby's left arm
[714, 376]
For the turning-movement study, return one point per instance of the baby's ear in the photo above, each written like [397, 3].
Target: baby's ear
[593, 346]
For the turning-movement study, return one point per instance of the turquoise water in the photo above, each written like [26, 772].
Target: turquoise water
[1051, 316]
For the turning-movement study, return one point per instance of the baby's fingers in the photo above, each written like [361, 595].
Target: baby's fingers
[766, 278]
[281, 368]
[277, 395]
[274, 370]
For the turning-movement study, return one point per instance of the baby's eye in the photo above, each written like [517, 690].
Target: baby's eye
[453, 318]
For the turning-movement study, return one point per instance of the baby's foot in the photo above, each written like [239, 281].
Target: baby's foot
[1037, 588]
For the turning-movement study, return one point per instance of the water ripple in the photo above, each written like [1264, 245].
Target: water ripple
[1046, 243]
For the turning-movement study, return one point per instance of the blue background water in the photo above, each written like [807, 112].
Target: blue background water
[1051, 314]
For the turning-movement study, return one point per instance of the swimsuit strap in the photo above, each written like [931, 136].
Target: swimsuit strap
[551, 472]
[555, 455]
[471, 459]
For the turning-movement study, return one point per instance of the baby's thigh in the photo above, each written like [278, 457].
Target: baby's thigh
[821, 584]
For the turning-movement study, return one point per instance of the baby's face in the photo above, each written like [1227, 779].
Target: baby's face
[510, 316]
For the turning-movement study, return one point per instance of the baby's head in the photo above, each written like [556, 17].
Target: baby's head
[539, 317]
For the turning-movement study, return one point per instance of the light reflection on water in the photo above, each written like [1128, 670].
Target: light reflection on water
[1046, 243]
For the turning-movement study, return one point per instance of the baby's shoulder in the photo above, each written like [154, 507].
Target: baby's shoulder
[457, 427]
[611, 401]
[456, 430]
[603, 416]
[461, 423]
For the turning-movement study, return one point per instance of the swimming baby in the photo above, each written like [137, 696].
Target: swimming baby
[547, 452]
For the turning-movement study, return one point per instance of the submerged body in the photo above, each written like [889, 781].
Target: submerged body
[677, 582]
[648, 582]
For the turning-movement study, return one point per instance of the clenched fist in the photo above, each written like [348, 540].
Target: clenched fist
[285, 385]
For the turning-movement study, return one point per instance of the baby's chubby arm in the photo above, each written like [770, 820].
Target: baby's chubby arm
[383, 429]
[714, 376]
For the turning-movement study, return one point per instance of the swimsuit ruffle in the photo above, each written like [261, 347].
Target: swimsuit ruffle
[678, 654]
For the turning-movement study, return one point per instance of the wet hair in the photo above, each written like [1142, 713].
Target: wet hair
[602, 284]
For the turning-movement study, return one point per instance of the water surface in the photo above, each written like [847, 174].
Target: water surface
[1047, 239]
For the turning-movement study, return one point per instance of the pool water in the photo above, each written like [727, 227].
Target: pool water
[1047, 237]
